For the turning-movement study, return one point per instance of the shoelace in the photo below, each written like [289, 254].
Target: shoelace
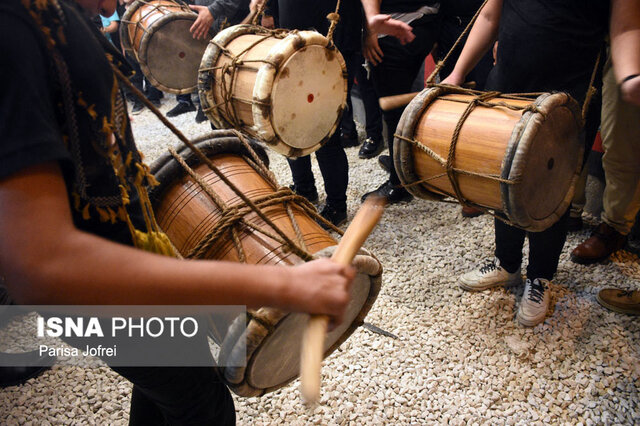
[488, 267]
[537, 291]
[626, 293]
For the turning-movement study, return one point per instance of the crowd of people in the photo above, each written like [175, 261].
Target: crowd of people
[61, 149]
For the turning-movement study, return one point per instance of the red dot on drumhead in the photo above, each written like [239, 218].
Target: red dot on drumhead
[181, 54]
[310, 98]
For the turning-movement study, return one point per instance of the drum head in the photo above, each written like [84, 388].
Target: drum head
[308, 96]
[170, 56]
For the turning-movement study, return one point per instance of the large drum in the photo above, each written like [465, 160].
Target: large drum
[191, 217]
[519, 157]
[285, 89]
[156, 33]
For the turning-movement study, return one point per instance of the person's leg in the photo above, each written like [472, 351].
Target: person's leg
[509, 244]
[348, 132]
[183, 106]
[304, 182]
[545, 248]
[334, 167]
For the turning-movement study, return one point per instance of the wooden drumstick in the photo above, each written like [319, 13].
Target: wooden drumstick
[388, 103]
[313, 339]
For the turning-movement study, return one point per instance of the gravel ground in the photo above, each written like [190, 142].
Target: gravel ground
[460, 358]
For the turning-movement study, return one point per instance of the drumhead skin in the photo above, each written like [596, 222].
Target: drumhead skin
[287, 91]
[157, 34]
[535, 149]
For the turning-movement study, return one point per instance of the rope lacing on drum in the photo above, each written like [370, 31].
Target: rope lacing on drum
[232, 216]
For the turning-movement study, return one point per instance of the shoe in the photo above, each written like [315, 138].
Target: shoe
[535, 302]
[574, 224]
[370, 148]
[200, 117]
[29, 364]
[468, 211]
[155, 102]
[622, 301]
[334, 215]
[349, 140]
[385, 163]
[181, 108]
[311, 196]
[137, 107]
[489, 275]
[393, 194]
[600, 245]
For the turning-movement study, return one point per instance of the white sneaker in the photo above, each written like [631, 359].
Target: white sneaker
[535, 302]
[488, 276]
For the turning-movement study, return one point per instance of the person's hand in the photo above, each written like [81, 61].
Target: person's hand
[320, 287]
[268, 22]
[255, 5]
[200, 28]
[630, 90]
[454, 79]
[371, 49]
[383, 24]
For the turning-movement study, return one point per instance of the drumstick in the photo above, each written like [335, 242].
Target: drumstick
[388, 103]
[313, 339]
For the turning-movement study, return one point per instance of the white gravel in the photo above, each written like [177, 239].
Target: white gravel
[460, 358]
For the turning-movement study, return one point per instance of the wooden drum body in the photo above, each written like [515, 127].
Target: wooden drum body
[156, 33]
[285, 89]
[518, 157]
[188, 215]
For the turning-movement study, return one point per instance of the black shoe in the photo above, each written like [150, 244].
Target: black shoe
[385, 162]
[334, 215]
[181, 108]
[349, 139]
[31, 364]
[137, 107]
[574, 224]
[393, 194]
[311, 195]
[200, 117]
[155, 102]
[370, 148]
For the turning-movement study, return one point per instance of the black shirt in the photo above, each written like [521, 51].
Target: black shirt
[549, 45]
[404, 6]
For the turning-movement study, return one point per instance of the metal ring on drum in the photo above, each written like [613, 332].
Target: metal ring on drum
[286, 89]
[516, 156]
[156, 33]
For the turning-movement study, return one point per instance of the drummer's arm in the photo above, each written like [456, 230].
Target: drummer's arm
[45, 259]
[481, 38]
[378, 23]
[625, 47]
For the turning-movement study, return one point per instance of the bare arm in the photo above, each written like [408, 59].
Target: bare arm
[481, 38]
[625, 47]
[111, 28]
[46, 260]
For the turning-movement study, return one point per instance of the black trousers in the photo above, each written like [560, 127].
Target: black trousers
[399, 68]
[373, 114]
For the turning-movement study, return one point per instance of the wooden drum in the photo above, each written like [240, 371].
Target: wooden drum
[285, 89]
[519, 157]
[190, 216]
[156, 33]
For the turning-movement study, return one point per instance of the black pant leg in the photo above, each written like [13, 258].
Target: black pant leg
[334, 167]
[302, 174]
[347, 124]
[545, 248]
[509, 244]
[373, 119]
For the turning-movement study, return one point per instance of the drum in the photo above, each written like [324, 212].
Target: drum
[190, 215]
[285, 89]
[156, 33]
[517, 156]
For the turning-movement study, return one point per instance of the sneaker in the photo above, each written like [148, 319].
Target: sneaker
[535, 302]
[622, 301]
[489, 275]
[393, 194]
[200, 117]
[334, 215]
[181, 108]
[385, 162]
[137, 107]
[311, 196]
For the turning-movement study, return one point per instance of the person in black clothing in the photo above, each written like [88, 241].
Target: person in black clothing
[72, 196]
[563, 40]
[396, 63]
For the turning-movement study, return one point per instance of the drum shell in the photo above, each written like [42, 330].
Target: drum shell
[533, 153]
[162, 26]
[187, 215]
[255, 89]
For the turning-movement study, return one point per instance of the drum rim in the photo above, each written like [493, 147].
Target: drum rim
[243, 387]
[265, 78]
